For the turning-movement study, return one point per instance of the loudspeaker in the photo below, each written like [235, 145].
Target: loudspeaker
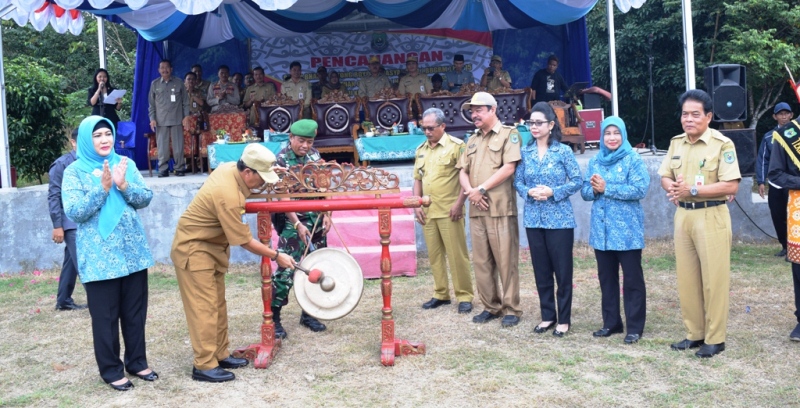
[746, 150]
[727, 86]
[591, 101]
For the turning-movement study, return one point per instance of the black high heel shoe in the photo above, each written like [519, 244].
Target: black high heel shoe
[122, 387]
[539, 329]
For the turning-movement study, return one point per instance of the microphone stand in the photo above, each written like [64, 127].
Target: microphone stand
[650, 108]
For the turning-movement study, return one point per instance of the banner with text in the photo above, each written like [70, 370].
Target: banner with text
[349, 53]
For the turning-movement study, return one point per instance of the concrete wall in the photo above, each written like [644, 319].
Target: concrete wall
[25, 226]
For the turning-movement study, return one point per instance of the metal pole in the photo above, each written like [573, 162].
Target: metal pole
[101, 42]
[612, 59]
[688, 43]
[5, 159]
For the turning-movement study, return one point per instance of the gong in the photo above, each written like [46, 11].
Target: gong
[338, 291]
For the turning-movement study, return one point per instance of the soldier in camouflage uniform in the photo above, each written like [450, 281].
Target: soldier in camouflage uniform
[294, 228]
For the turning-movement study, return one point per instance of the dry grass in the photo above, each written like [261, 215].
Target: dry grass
[46, 356]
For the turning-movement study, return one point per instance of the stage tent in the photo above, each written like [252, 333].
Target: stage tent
[559, 24]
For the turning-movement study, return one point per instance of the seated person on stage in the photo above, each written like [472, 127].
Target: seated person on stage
[298, 88]
[414, 83]
[260, 91]
[547, 84]
[223, 94]
[458, 77]
[494, 77]
[332, 85]
[377, 80]
[197, 99]
[201, 84]
[322, 80]
[436, 81]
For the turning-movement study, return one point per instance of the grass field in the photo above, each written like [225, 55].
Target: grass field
[46, 357]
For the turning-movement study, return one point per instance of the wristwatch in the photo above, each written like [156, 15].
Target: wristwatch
[482, 190]
[275, 258]
[693, 191]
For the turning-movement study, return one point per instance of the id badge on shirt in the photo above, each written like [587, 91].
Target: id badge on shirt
[172, 98]
[422, 88]
[300, 95]
[699, 180]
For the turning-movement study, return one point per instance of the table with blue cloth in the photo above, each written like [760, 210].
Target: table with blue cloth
[232, 152]
[401, 147]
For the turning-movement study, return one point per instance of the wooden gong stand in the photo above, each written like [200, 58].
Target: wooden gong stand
[321, 180]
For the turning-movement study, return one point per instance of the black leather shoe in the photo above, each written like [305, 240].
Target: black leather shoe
[606, 332]
[311, 322]
[464, 307]
[484, 317]
[233, 362]
[163, 174]
[780, 253]
[686, 344]
[151, 376]
[795, 335]
[180, 173]
[71, 306]
[710, 350]
[559, 333]
[122, 387]
[509, 321]
[214, 375]
[632, 338]
[434, 303]
[539, 329]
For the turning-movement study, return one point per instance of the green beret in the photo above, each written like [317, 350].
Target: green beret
[304, 128]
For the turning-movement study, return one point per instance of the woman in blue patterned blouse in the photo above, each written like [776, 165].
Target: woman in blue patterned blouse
[101, 193]
[546, 176]
[619, 180]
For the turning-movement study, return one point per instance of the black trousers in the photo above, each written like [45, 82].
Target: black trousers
[69, 269]
[777, 199]
[796, 279]
[551, 254]
[114, 303]
[633, 289]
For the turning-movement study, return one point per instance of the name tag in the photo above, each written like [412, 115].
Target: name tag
[422, 88]
[699, 180]
[172, 98]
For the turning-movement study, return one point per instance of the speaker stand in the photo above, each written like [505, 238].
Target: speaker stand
[650, 110]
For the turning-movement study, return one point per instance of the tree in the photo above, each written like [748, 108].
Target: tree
[35, 107]
[759, 34]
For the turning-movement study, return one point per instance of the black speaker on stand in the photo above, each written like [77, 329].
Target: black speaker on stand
[727, 86]
[746, 149]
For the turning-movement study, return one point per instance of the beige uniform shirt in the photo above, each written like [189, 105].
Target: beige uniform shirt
[494, 82]
[297, 91]
[369, 86]
[215, 98]
[414, 85]
[194, 106]
[484, 155]
[257, 93]
[213, 222]
[203, 86]
[710, 159]
[436, 168]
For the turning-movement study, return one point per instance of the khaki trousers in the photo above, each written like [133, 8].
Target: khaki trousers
[703, 261]
[203, 295]
[447, 245]
[495, 253]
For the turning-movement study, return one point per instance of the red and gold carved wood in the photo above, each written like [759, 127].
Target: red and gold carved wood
[325, 179]
[264, 353]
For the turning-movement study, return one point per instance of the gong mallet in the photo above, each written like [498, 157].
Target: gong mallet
[326, 283]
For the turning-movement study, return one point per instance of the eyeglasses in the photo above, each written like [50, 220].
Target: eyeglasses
[537, 123]
[429, 128]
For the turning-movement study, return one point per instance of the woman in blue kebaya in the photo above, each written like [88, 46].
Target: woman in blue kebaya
[101, 192]
[546, 177]
[618, 180]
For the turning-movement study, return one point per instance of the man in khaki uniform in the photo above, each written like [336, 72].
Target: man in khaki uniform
[223, 93]
[436, 174]
[487, 177]
[494, 77]
[698, 173]
[414, 83]
[197, 99]
[298, 88]
[369, 86]
[202, 84]
[215, 220]
[256, 93]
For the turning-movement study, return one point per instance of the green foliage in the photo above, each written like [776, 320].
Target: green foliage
[760, 34]
[35, 107]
